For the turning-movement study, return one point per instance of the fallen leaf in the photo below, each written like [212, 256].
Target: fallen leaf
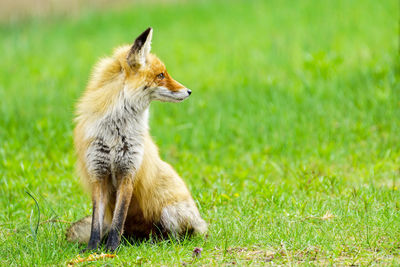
[91, 257]
[328, 215]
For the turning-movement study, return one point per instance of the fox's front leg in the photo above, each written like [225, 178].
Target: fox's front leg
[98, 164]
[127, 160]
[100, 201]
[124, 195]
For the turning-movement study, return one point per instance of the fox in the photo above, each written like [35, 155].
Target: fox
[133, 191]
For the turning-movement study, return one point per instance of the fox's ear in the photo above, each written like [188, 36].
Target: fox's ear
[140, 49]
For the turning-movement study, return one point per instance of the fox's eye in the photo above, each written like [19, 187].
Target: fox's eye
[160, 76]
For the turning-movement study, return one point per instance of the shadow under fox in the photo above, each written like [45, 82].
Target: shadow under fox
[133, 191]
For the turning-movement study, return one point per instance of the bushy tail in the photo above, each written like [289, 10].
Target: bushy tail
[80, 231]
[200, 227]
[181, 217]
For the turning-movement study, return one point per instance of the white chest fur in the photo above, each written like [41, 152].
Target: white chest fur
[118, 141]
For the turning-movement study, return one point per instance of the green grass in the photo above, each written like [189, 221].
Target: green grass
[295, 114]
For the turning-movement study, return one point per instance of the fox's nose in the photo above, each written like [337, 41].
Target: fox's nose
[189, 91]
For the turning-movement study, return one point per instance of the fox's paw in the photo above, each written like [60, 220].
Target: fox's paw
[88, 249]
[111, 248]
[113, 241]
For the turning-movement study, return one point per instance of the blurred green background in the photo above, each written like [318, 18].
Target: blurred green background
[289, 142]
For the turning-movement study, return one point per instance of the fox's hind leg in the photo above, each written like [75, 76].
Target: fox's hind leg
[182, 217]
[79, 231]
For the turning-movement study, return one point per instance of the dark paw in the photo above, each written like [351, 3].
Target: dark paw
[111, 247]
[93, 245]
[112, 243]
[88, 249]
[113, 240]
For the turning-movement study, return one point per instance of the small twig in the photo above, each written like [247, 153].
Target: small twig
[6, 223]
[54, 220]
[327, 216]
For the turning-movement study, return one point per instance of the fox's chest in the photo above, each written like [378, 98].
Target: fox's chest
[116, 148]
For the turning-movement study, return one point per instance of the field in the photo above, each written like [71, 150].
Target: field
[290, 142]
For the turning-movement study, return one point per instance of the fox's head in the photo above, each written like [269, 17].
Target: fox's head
[146, 76]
